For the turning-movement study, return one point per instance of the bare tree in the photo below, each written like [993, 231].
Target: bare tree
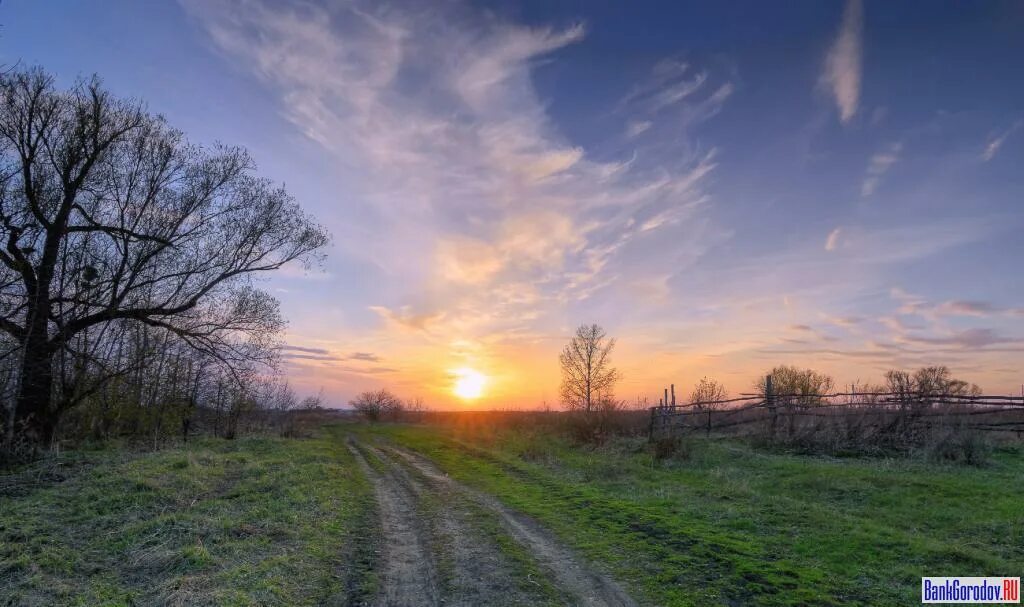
[901, 384]
[587, 375]
[414, 409]
[928, 382]
[939, 381]
[313, 403]
[804, 386]
[376, 404]
[108, 215]
[706, 393]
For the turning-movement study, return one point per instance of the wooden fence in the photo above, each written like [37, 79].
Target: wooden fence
[773, 413]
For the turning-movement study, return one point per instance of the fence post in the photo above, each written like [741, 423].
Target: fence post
[673, 395]
[650, 430]
[708, 431]
[769, 400]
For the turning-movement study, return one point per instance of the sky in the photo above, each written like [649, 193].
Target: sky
[724, 187]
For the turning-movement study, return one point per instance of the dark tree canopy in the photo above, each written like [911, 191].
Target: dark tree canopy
[109, 215]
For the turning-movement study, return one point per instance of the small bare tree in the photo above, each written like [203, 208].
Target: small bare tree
[901, 384]
[706, 394]
[939, 381]
[926, 383]
[313, 403]
[279, 400]
[803, 386]
[587, 375]
[376, 404]
[414, 408]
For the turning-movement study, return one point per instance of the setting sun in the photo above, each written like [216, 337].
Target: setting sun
[469, 383]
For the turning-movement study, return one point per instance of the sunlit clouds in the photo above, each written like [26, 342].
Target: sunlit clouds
[495, 219]
[489, 189]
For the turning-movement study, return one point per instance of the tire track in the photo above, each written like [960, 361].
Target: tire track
[591, 588]
[472, 568]
[408, 572]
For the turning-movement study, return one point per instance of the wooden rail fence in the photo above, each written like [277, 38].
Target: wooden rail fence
[1005, 413]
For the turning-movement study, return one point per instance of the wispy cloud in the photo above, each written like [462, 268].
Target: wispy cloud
[487, 214]
[406, 319]
[878, 166]
[843, 64]
[996, 142]
[304, 350]
[967, 339]
[491, 229]
[916, 305]
[367, 356]
[903, 243]
[832, 242]
[845, 322]
[292, 352]
[636, 127]
[674, 95]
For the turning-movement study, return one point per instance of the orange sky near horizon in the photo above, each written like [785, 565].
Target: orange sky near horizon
[526, 376]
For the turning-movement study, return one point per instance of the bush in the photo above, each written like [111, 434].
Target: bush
[674, 447]
[377, 404]
[608, 418]
[960, 446]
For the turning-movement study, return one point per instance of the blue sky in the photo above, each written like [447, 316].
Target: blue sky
[724, 186]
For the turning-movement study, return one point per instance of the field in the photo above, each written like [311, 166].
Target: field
[467, 515]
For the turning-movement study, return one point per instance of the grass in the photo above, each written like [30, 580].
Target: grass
[253, 521]
[734, 525]
[266, 521]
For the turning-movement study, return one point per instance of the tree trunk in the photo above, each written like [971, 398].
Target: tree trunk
[33, 411]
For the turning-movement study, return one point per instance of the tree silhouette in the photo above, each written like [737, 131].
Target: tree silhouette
[108, 215]
[587, 374]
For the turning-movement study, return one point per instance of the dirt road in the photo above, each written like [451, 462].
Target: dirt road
[443, 543]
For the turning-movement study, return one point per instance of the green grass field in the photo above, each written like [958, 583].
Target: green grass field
[288, 522]
[246, 522]
[732, 525]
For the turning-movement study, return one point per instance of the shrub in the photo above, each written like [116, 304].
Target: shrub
[377, 404]
[673, 447]
[959, 445]
[609, 417]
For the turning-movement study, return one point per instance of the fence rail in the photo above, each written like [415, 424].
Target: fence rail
[922, 409]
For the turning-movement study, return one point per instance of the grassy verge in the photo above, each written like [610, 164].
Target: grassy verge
[733, 525]
[254, 521]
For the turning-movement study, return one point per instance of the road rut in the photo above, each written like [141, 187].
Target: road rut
[442, 543]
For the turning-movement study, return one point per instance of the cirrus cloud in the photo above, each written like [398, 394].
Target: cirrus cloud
[843, 64]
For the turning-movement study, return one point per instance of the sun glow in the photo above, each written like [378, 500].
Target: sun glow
[469, 383]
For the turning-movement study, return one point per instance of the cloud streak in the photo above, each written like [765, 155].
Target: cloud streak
[878, 166]
[843, 63]
[832, 242]
[996, 142]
